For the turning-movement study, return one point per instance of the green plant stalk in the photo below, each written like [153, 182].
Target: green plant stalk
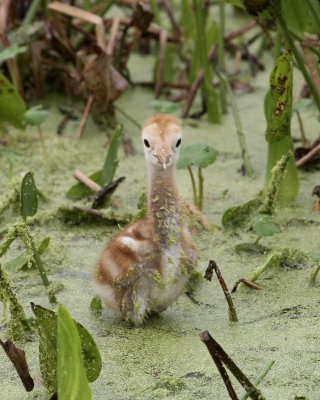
[300, 60]
[302, 131]
[240, 133]
[111, 162]
[200, 198]
[32, 11]
[7, 240]
[156, 12]
[223, 86]
[18, 323]
[315, 274]
[272, 262]
[211, 95]
[44, 149]
[277, 44]
[194, 188]
[260, 378]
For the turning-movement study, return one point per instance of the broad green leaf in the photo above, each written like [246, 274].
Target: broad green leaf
[281, 99]
[12, 106]
[264, 225]
[72, 379]
[241, 216]
[298, 16]
[35, 116]
[111, 161]
[164, 106]
[21, 260]
[11, 52]
[201, 155]
[80, 190]
[29, 198]
[47, 325]
[188, 21]
[253, 248]
[301, 103]
[95, 303]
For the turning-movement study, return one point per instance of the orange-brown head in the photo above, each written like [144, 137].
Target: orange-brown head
[161, 136]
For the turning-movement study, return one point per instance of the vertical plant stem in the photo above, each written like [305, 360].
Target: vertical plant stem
[7, 240]
[223, 88]
[300, 60]
[302, 131]
[260, 377]
[217, 351]
[232, 310]
[211, 95]
[194, 188]
[200, 198]
[314, 11]
[240, 133]
[44, 149]
[273, 261]
[315, 274]
[277, 44]
[156, 12]
[32, 11]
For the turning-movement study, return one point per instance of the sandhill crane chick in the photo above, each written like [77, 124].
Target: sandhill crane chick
[146, 266]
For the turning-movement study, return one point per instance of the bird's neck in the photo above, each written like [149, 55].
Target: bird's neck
[164, 205]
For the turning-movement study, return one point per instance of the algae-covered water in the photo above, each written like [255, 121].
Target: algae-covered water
[165, 357]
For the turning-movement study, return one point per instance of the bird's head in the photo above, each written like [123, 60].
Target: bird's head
[161, 136]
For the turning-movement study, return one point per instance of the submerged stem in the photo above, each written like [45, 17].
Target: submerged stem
[260, 377]
[200, 199]
[302, 131]
[273, 261]
[194, 188]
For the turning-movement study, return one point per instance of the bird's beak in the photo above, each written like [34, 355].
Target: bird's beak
[163, 157]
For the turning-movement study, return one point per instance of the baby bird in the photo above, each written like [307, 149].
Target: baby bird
[145, 267]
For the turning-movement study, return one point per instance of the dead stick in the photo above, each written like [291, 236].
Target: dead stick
[237, 61]
[308, 156]
[214, 348]
[246, 282]
[162, 59]
[89, 211]
[113, 35]
[219, 365]
[202, 218]
[240, 31]
[232, 310]
[312, 67]
[178, 97]
[87, 181]
[300, 91]
[85, 117]
[18, 359]
[170, 85]
[176, 28]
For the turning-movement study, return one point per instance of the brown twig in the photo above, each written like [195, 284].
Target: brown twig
[178, 97]
[240, 31]
[246, 282]
[312, 67]
[85, 116]
[300, 91]
[176, 28]
[18, 359]
[162, 60]
[308, 156]
[217, 351]
[113, 35]
[208, 275]
[89, 211]
[86, 181]
[170, 85]
[237, 61]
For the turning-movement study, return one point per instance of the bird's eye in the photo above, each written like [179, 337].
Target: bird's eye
[146, 143]
[178, 143]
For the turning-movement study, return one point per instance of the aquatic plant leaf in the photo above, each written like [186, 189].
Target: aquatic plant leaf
[11, 52]
[111, 161]
[298, 16]
[47, 325]
[264, 225]
[164, 106]
[201, 155]
[72, 379]
[35, 116]
[96, 303]
[29, 197]
[12, 106]
[301, 103]
[11, 156]
[253, 248]
[241, 216]
[21, 260]
[281, 98]
[80, 190]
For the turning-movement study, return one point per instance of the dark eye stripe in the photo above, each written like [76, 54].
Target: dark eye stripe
[178, 143]
[146, 143]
